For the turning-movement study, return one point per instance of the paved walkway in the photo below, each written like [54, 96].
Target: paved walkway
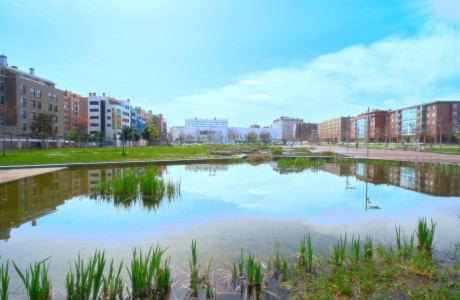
[399, 155]
[11, 175]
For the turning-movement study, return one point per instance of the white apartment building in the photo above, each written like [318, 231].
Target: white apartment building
[105, 114]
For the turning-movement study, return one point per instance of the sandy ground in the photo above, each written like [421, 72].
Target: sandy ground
[399, 155]
[15, 174]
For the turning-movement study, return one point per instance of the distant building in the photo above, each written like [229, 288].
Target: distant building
[305, 131]
[377, 122]
[255, 126]
[333, 130]
[424, 122]
[286, 124]
[161, 124]
[75, 110]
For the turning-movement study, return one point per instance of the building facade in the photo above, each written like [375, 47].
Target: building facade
[286, 124]
[305, 131]
[75, 111]
[376, 121]
[334, 130]
[430, 122]
[23, 95]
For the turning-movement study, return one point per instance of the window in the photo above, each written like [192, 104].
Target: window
[455, 115]
[55, 119]
[54, 97]
[23, 89]
[32, 103]
[109, 110]
[32, 115]
[1, 86]
[50, 107]
[433, 106]
[94, 110]
[94, 117]
[23, 102]
[454, 107]
[1, 99]
[32, 91]
[24, 126]
[93, 102]
[39, 105]
[38, 93]
[432, 121]
[49, 96]
[23, 114]
[55, 129]
[433, 114]
[109, 125]
[55, 108]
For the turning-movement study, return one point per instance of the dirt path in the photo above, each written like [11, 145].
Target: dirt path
[15, 174]
[399, 155]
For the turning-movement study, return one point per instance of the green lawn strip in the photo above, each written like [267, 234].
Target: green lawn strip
[90, 155]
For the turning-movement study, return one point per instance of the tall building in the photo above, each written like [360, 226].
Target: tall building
[426, 122]
[75, 111]
[107, 115]
[334, 130]
[305, 131]
[161, 124]
[287, 126]
[25, 95]
[378, 123]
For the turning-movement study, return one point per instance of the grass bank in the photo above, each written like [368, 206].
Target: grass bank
[108, 154]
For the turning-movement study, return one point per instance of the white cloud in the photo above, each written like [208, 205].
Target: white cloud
[390, 73]
[447, 9]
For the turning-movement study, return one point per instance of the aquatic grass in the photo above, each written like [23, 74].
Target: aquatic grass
[276, 259]
[338, 251]
[163, 279]
[250, 268]
[354, 251]
[284, 268]
[299, 164]
[5, 280]
[425, 235]
[112, 283]
[35, 280]
[194, 269]
[241, 264]
[405, 247]
[207, 282]
[306, 252]
[125, 183]
[234, 270]
[368, 253]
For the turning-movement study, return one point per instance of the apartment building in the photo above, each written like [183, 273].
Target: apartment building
[161, 125]
[376, 121]
[429, 122]
[24, 95]
[107, 115]
[334, 130]
[305, 131]
[287, 127]
[75, 111]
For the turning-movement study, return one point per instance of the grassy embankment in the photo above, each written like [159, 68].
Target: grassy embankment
[89, 155]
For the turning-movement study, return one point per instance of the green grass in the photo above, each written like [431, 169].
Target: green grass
[35, 280]
[193, 264]
[299, 164]
[4, 280]
[425, 235]
[108, 154]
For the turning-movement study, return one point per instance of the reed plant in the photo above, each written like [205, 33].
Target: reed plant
[163, 277]
[207, 281]
[284, 268]
[112, 283]
[35, 280]
[241, 264]
[276, 259]
[194, 269]
[354, 251]
[125, 183]
[306, 252]
[425, 235]
[250, 268]
[368, 253]
[338, 251]
[300, 163]
[5, 280]
[404, 246]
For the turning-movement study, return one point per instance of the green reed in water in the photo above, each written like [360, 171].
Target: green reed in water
[425, 235]
[194, 270]
[5, 280]
[300, 163]
[112, 284]
[36, 281]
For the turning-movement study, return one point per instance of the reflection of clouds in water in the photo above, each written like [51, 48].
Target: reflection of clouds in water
[247, 205]
[388, 188]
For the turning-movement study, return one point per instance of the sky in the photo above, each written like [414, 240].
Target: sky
[246, 61]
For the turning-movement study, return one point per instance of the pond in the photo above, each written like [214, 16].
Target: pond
[225, 208]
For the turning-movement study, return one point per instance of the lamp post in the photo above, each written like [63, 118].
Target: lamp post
[440, 135]
[368, 130]
[348, 130]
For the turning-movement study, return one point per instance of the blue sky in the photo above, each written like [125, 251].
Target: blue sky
[247, 61]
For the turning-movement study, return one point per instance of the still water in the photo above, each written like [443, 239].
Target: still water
[224, 207]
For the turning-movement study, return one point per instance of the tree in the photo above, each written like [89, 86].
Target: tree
[130, 133]
[6, 113]
[42, 127]
[251, 137]
[150, 132]
[265, 137]
[116, 123]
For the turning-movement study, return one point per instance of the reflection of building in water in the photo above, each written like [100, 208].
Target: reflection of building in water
[28, 199]
[214, 168]
[427, 181]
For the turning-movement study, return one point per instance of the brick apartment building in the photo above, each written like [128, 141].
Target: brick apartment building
[334, 130]
[305, 131]
[75, 111]
[377, 121]
[427, 122]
